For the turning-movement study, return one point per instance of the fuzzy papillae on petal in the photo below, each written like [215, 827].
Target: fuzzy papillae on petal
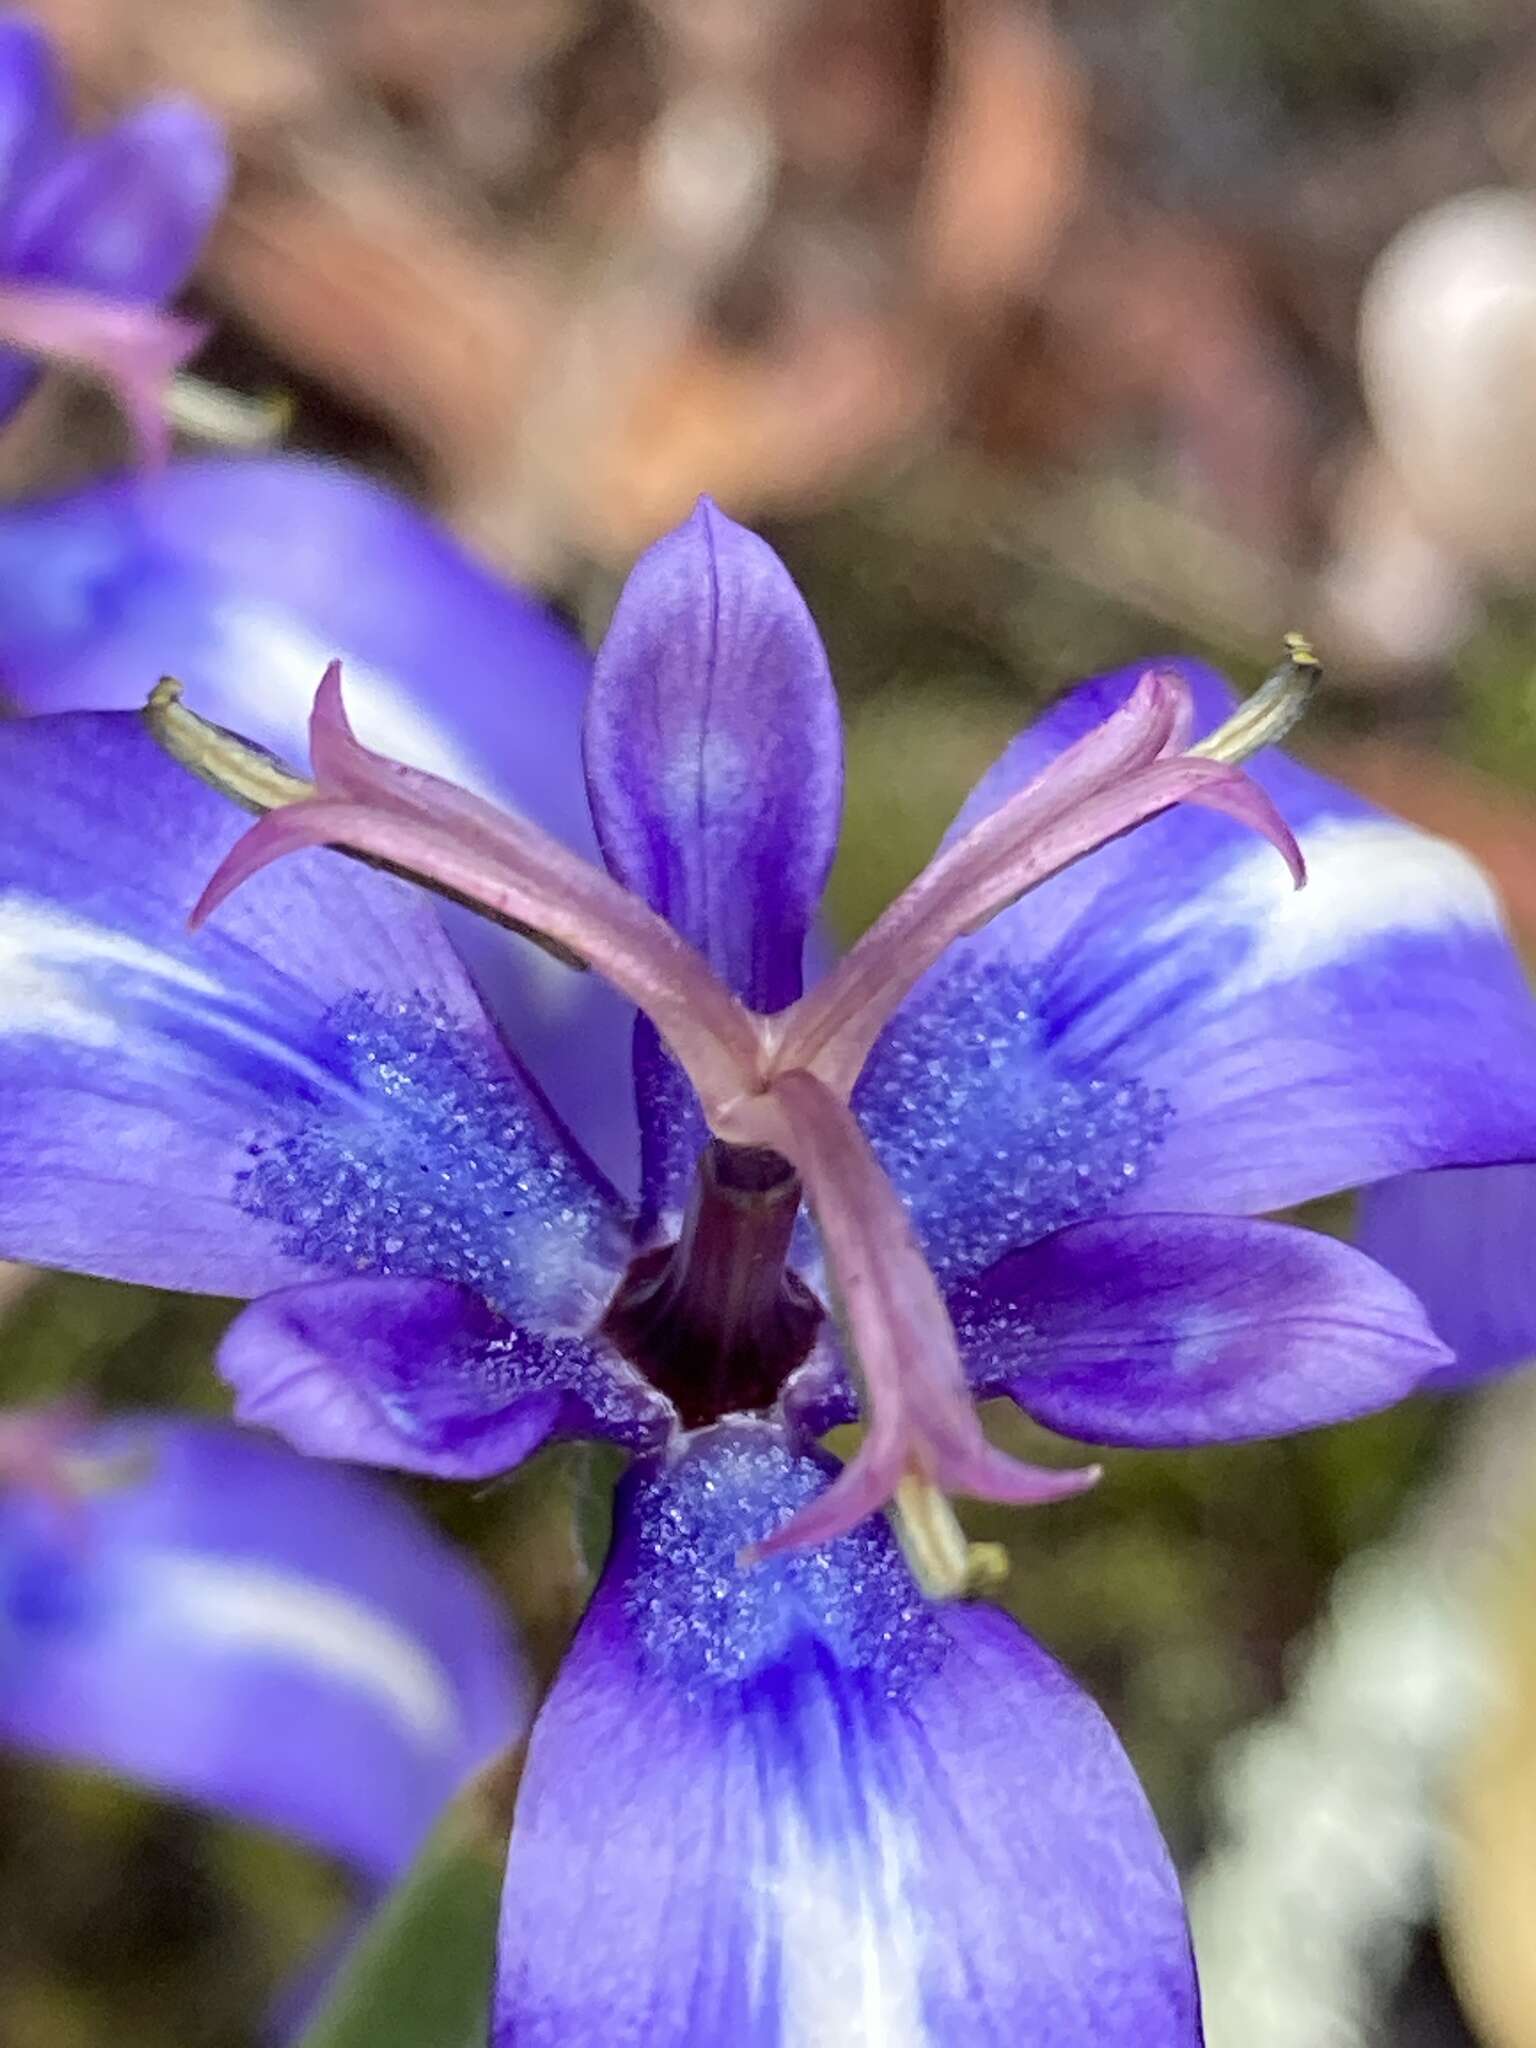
[242, 577]
[140, 1059]
[1377, 1022]
[830, 1812]
[421, 1375]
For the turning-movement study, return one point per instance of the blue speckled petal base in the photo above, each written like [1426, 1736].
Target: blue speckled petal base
[991, 1138]
[792, 1805]
[430, 1162]
[1307, 1040]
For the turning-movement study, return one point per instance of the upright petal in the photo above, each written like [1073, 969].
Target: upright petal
[714, 752]
[830, 1813]
[1231, 1044]
[229, 1623]
[714, 762]
[245, 577]
[126, 212]
[1464, 1242]
[1192, 1329]
[423, 1376]
[142, 1062]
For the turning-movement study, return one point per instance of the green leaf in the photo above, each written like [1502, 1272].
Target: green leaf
[421, 1975]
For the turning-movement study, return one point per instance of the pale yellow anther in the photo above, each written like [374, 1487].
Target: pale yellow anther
[248, 775]
[227, 419]
[943, 1560]
[1271, 711]
[234, 767]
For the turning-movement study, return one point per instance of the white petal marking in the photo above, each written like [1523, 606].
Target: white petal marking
[849, 1946]
[47, 963]
[255, 1610]
[1367, 879]
[76, 982]
[279, 661]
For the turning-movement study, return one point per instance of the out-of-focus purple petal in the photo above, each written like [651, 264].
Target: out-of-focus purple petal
[32, 132]
[1465, 1242]
[32, 113]
[829, 1813]
[1240, 1045]
[421, 1375]
[1192, 1329]
[141, 1061]
[244, 578]
[232, 1624]
[126, 212]
[714, 753]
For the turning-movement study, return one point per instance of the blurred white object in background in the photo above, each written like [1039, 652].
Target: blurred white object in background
[1331, 1823]
[1393, 598]
[1448, 365]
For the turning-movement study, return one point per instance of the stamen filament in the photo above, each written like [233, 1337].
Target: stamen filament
[922, 1420]
[133, 349]
[256, 780]
[425, 829]
[1093, 793]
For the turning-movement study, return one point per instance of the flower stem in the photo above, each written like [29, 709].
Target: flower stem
[422, 1974]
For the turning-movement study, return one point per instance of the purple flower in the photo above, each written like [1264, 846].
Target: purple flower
[96, 232]
[1462, 1241]
[1033, 1111]
[204, 1612]
[244, 577]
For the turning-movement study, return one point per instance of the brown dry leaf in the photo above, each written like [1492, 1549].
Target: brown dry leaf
[757, 431]
[433, 48]
[1006, 157]
[230, 54]
[376, 288]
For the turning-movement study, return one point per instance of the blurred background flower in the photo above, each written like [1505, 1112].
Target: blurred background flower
[95, 231]
[217, 1621]
[1040, 338]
